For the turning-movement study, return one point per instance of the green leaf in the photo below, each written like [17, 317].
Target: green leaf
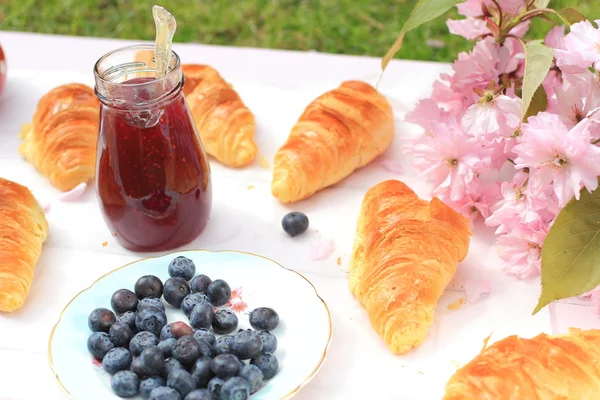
[541, 3]
[538, 59]
[571, 15]
[424, 11]
[539, 103]
[571, 251]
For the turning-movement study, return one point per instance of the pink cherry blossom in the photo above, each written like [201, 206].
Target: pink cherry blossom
[554, 37]
[425, 113]
[520, 249]
[511, 57]
[492, 114]
[473, 8]
[477, 200]
[578, 98]
[474, 289]
[321, 249]
[581, 48]
[556, 154]
[475, 70]
[469, 28]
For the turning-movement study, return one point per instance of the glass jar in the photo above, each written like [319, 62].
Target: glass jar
[152, 174]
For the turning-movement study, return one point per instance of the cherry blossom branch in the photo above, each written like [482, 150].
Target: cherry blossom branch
[500, 18]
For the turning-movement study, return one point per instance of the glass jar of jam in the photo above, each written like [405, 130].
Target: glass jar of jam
[152, 174]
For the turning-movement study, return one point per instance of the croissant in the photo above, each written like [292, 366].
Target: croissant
[61, 140]
[546, 367]
[405, 254]
[342, 130]
[23, 229]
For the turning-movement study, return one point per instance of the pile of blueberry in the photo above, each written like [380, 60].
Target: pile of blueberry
[204, 360]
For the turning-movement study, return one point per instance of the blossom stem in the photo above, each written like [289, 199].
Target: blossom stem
[512, 161]
[500, 21]
[595, 141]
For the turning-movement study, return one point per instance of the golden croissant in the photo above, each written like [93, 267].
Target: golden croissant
[405, 254]
[546, 367]
[23, 229]
[340, 131]
[61, 139]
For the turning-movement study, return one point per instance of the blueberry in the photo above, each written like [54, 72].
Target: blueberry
[123, 300]
[225, 366]
[166, 346]
[128, 318]
[264, 319]
[200, 283]
[200, 394]
[269, 342]
[148, 286]
[182, 267]
[182, 381]
[153, 360]
[141, 341]
[201, 371]
[187, 350]
[246, 344]
[165, 332]
[235, 388]
[170, 365]
[223, 345]
[150, 302]
[253, 375]
[188, 303]
[202, 316]
[125, 384]
[99, 344]
[225, 322]
[164, 393]
[294, 223]
[101, 319]
[205, 334]
[151, 320]
[118, 359]
[267, 363]
[136, 367]
[120, 334]
[218, 292]
[148, 384]
[214, 386]
[175, 291]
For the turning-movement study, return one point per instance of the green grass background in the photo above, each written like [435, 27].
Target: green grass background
[362, 27]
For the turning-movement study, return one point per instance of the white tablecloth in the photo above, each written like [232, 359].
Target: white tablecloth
[276, 85]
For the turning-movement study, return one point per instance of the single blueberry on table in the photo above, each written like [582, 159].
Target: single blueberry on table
[128, 318]
[175, 291]
[151, 320]
[294, 223]
[225, 366]
[253, 375]
[120, 334]
[246, 344]
[267, 363]
[214, 386]
[182, 381]
[200, 284]
[223, 345]
[219, 292]
[166, 346]
[264, 319]
[150, 302]
[224, 322]
[188, 303]
[164, 393]
[170, 365]
[200, 394]
[148, 286]
[141, 341]
[205, 334]
[101, 319]
[165, 332]
[182, 267]
[201, 371]
[187, 350]
[269, 342]
[150, 383]
[153, 361]
[125, 384]
[99, 344]
[136, 367]
[117, 359]
[123, 300]
[235, 388]
[202, 316]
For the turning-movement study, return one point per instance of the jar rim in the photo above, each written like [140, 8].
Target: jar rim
[144, 46]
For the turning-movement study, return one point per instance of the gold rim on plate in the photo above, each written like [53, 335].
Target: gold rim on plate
[287, 396]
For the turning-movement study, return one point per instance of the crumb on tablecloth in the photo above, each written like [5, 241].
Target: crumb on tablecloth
[104, 244]
[457, 304]
[339, 261]
[486, 341]
[250, 187]
[263, 162]
[455, 364]
[421, 372]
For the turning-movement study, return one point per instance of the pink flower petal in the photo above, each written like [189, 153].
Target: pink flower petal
[46, 206]
[392, 166]
[74, 193]
[321, 249]
[474, 289]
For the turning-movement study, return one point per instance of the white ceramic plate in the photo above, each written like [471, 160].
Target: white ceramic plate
[303, 334]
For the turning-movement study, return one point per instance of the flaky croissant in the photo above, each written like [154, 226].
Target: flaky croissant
[557, 367]
[23, 229]
[405, 254]
[61, 140]
[342, 130]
